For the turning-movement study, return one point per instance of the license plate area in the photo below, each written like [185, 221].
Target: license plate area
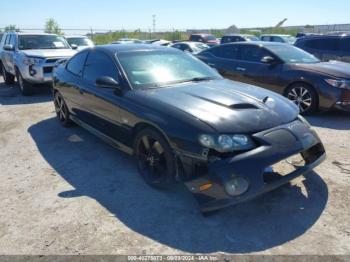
[283, 168]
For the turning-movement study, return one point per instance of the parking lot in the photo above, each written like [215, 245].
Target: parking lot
[64, 191]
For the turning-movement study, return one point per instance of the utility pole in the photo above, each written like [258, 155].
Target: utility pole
[154, 23]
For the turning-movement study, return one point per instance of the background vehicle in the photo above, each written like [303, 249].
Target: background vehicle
[161, 42]
[192, 47]
[287, 39]
[204, 38]
[183, 121]
[127, 41]
[79, 42]
[31, 57]
[285, 69]
[327, 47]
[238, 38]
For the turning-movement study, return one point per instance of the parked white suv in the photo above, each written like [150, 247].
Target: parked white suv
[31, 58]
[79, 42]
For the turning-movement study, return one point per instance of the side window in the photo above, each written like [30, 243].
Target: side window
[344, 44]
[322, 44]
[97, 65]
[176, 46]
[253, 53]
[277, 39]
[265, 38]
[76, 63]
[226, 52]
[13, 40]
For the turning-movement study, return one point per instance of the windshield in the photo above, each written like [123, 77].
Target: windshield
[26, 42]
[198, 47]
[149, 69]
[291, 54]
[79, 41]
[289, 39]
[251, 38]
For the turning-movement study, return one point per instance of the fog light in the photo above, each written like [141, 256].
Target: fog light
[236, 186]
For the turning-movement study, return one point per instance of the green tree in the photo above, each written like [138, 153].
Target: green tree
[10, 28]
[52, 27]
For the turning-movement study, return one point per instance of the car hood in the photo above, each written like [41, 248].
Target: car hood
[333, 68]
[228, 106]
[44, 53]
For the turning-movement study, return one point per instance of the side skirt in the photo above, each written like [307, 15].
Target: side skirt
[102, 136]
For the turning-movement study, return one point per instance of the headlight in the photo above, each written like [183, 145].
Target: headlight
[227, 143]
[339, 83]
[32, 60]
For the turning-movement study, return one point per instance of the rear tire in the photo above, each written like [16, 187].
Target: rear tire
[155, 159]
[8, 78]
[25, 87]
[304, 96]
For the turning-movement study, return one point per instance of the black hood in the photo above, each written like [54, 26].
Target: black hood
[227, 106]
[334, 68]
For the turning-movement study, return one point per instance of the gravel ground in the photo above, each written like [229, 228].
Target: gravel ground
[63, 191]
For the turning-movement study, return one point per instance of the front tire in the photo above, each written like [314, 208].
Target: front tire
[25, 87]
[155, 159]
[62, 111]
[304, 96]
[8, 78]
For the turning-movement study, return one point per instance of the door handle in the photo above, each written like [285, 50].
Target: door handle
[240, 69]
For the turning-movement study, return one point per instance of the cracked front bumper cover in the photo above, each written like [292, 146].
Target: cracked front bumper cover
[275, 145]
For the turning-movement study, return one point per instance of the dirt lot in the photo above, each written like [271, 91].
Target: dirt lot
[63, 191]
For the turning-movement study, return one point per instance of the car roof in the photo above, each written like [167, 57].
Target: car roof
[306, 38]
[257, 43]
[112, 49]
[26, 33]
[75, 36]
[275, 35]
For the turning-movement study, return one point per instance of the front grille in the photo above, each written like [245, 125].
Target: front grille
[47, 69]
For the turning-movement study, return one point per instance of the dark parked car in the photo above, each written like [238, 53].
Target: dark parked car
[204, 38]
[327, 47]
[285, 69]
[238, 38]
[184, 122]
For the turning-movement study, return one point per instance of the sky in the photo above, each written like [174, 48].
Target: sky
[178, 14]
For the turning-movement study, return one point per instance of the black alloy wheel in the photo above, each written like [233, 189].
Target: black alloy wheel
[155, 159]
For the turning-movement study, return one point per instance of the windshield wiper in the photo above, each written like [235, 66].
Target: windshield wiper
[198, 79]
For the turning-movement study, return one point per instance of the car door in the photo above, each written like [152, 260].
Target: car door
[101, 105]
[253, 71]
[223, 59]
[7, 55]
[71, 83]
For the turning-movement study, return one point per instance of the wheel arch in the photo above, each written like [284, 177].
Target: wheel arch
[147, 125]
[303, 83]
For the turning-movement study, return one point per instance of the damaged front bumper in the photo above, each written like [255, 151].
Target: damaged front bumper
[253, 167]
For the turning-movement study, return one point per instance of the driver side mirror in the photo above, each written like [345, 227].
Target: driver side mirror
[108, 82]
[269, 60]
[9, 47]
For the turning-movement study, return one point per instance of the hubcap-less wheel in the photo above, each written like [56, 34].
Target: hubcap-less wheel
[301, 97]
[61, 109]
[20, 81]
[151, 159]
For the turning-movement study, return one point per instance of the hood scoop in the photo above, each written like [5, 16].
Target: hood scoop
[243, 106]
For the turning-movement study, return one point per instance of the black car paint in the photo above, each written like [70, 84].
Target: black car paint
[327, 47]
[181, 113]
[278, 75]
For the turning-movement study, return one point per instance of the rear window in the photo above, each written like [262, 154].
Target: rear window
[195, 38]
[330, 44]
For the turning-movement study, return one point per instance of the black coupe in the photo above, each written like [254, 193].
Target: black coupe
[285, 69]
[184, 122]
